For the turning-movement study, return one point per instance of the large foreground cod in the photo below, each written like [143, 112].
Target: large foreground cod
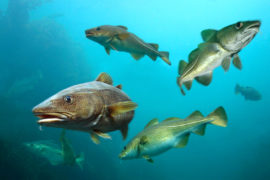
[96, 107]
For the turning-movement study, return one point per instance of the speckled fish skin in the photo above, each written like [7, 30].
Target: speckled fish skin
[157, 137]
[119, 39]
[219, 48]
[87, 108]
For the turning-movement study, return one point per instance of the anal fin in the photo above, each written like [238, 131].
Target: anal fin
[137, 56]
[153, 56]
[205, 79]
[200, 130]
[107, 49]
[188, 84]
[183, 141]
[148, 158]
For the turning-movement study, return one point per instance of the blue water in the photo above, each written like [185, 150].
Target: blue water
[43, 50]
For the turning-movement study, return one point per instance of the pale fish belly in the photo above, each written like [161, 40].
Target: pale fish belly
[214, 62]
[159, 147]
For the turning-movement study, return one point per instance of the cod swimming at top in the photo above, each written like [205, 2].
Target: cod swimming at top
[157, 138]
[96, 107]
[119, 39]
[217, 50]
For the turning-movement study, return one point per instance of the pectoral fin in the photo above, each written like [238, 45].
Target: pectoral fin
[102, 134]
[123, 36]
[105, 78]
[208, 34]
[107, 49]
[124, 132]
[183, 141]
[226, 63]
[94, 138]
[205, 79]
[148, 158]
[121, 107]
[151, 123]
[137, 56]
[237, 62]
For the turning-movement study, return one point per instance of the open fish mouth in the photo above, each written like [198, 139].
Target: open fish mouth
[255, 25]
[51, 118]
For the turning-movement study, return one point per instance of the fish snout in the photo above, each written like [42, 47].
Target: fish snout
[122, 155]
[89, 33]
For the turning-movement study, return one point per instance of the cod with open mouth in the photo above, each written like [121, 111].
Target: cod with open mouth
[96, 107]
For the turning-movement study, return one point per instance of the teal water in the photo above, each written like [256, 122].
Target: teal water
[43, 50]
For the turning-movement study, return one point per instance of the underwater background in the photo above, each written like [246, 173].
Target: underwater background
[43, 49]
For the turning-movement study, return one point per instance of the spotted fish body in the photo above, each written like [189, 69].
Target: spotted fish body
[96, 107]
[217, 50]
[119, 39]
[158, 138]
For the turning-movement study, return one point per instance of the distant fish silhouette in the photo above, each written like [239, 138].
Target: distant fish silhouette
[248, 92]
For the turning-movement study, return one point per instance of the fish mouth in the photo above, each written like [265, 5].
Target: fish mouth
[51, 118]
[89, 33]
[255, 25]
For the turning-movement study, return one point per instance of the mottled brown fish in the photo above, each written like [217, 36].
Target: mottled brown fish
[96, 107]
[119, 39]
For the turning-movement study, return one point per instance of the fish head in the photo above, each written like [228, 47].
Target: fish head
[70, 108]
[131, 150]
[237, 36]
[100, 34]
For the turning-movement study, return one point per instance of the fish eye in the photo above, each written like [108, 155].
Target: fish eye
[98, 28]
[67, 99]
[238, 25]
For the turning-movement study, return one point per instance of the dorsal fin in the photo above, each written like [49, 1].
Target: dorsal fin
[181, 67]
[104, 77]
[154, 45]
[193, 55]
[171, 119]
[207, 34]
[119, 86]
[151, 123]
[196, 114]
[123, 27]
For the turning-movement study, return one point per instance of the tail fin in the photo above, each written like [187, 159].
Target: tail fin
[165, 56]
[219, 117]
[237, 89]
[80, 160]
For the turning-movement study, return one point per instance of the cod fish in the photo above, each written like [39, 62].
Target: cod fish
[157, 138]
[54, 154]
[96, 107]
[119, 39]
[218, 49]
[248, 92]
